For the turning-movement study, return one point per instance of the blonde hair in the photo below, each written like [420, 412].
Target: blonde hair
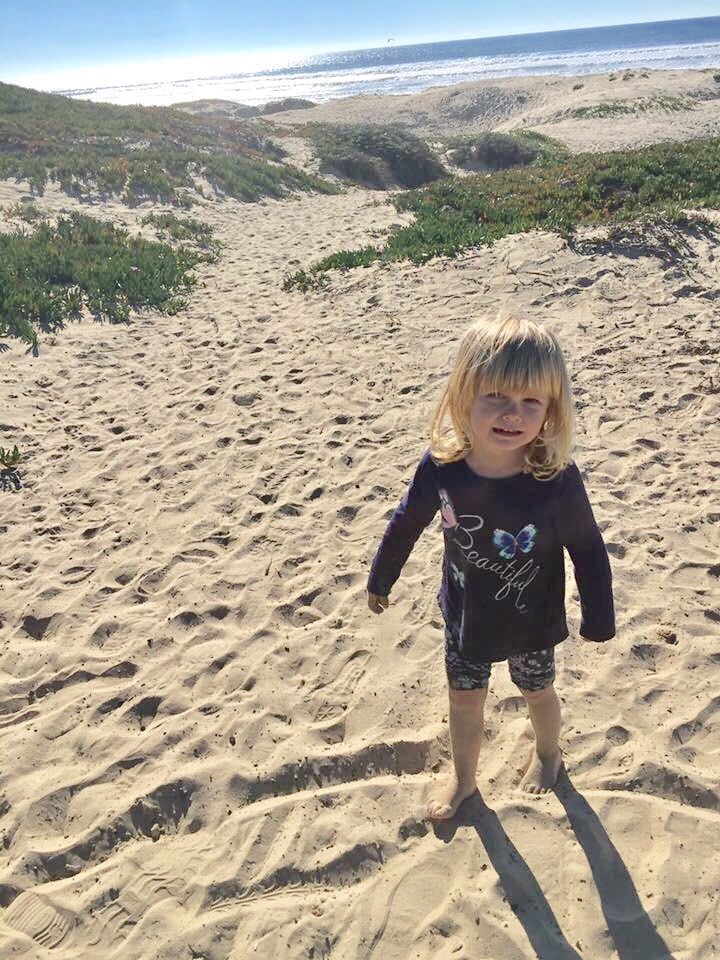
[515, 354]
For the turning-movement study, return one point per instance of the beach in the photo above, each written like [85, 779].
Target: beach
[210, 746]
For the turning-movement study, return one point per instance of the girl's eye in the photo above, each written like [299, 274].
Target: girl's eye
[531, 400]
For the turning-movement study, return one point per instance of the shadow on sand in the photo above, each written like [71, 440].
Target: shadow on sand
[631, 929]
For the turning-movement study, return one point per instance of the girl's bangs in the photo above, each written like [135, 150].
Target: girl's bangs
[521, 368]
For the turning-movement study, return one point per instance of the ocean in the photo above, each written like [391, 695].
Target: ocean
[670, 44]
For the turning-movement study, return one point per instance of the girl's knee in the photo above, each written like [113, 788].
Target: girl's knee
[468, 699]
[537, 696]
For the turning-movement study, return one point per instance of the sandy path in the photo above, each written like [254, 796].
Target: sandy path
[212, 749]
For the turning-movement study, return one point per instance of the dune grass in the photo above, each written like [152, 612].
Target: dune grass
[454, 214]
[138, 153]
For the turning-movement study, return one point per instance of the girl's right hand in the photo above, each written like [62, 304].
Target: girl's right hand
[377, 604]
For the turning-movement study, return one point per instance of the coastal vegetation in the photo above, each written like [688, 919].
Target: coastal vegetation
[27, 212]
[607, 188]
[229, 108]
[618, 108]
[78, 263]
[9, 458]
[186, 230]
[59, 269]
[138, 153]
[374, 156]
[498, 151]
[9, 475]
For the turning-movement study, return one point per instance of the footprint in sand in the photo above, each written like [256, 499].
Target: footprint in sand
[331, 700]
[38, 919]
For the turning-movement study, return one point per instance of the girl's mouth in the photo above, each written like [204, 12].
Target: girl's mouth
[506, 433]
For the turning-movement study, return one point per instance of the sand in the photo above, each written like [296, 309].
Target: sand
[211, 748]
[666, 105]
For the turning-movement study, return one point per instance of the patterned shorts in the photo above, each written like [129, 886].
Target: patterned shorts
[530, 671]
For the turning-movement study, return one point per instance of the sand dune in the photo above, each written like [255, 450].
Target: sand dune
[665, 105]
[212, 749]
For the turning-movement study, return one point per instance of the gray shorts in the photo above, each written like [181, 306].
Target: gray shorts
[531, 671]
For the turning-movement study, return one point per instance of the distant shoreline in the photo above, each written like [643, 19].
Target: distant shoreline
[692, 44]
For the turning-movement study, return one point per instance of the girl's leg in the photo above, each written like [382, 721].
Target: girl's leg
[534, 673]
[545, 762]
[466, 719]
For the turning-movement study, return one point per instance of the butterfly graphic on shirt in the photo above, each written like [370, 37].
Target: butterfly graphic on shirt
[447, 511]
[459, 526]
[508, 545]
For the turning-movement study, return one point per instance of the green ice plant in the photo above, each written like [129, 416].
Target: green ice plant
[453, 214]
[9, 458]
[52, 274]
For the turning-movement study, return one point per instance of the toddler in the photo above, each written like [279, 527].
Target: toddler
[510, 498]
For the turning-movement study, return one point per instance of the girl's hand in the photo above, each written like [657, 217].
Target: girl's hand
[377, 604]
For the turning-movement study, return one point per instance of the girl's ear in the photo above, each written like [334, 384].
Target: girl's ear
[549, 417]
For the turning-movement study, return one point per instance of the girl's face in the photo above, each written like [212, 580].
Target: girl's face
[506, 422]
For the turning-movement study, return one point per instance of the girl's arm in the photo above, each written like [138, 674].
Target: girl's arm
[580, 534]
[411, 516]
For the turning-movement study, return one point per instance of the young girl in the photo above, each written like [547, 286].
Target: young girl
[510, 499]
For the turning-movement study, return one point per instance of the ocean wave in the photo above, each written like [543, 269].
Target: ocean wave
[401, 78]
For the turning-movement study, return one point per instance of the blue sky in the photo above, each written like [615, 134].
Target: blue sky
[40, 38]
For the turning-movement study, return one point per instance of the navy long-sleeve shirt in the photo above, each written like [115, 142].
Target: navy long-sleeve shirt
[503, 573]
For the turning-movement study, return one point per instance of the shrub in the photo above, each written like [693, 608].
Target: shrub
[374, 156]
[499, 151]
[492, 151]
[289, 103]
[149, 182]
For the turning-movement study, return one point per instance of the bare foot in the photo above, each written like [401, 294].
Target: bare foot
[542, 773]
[446, 801]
